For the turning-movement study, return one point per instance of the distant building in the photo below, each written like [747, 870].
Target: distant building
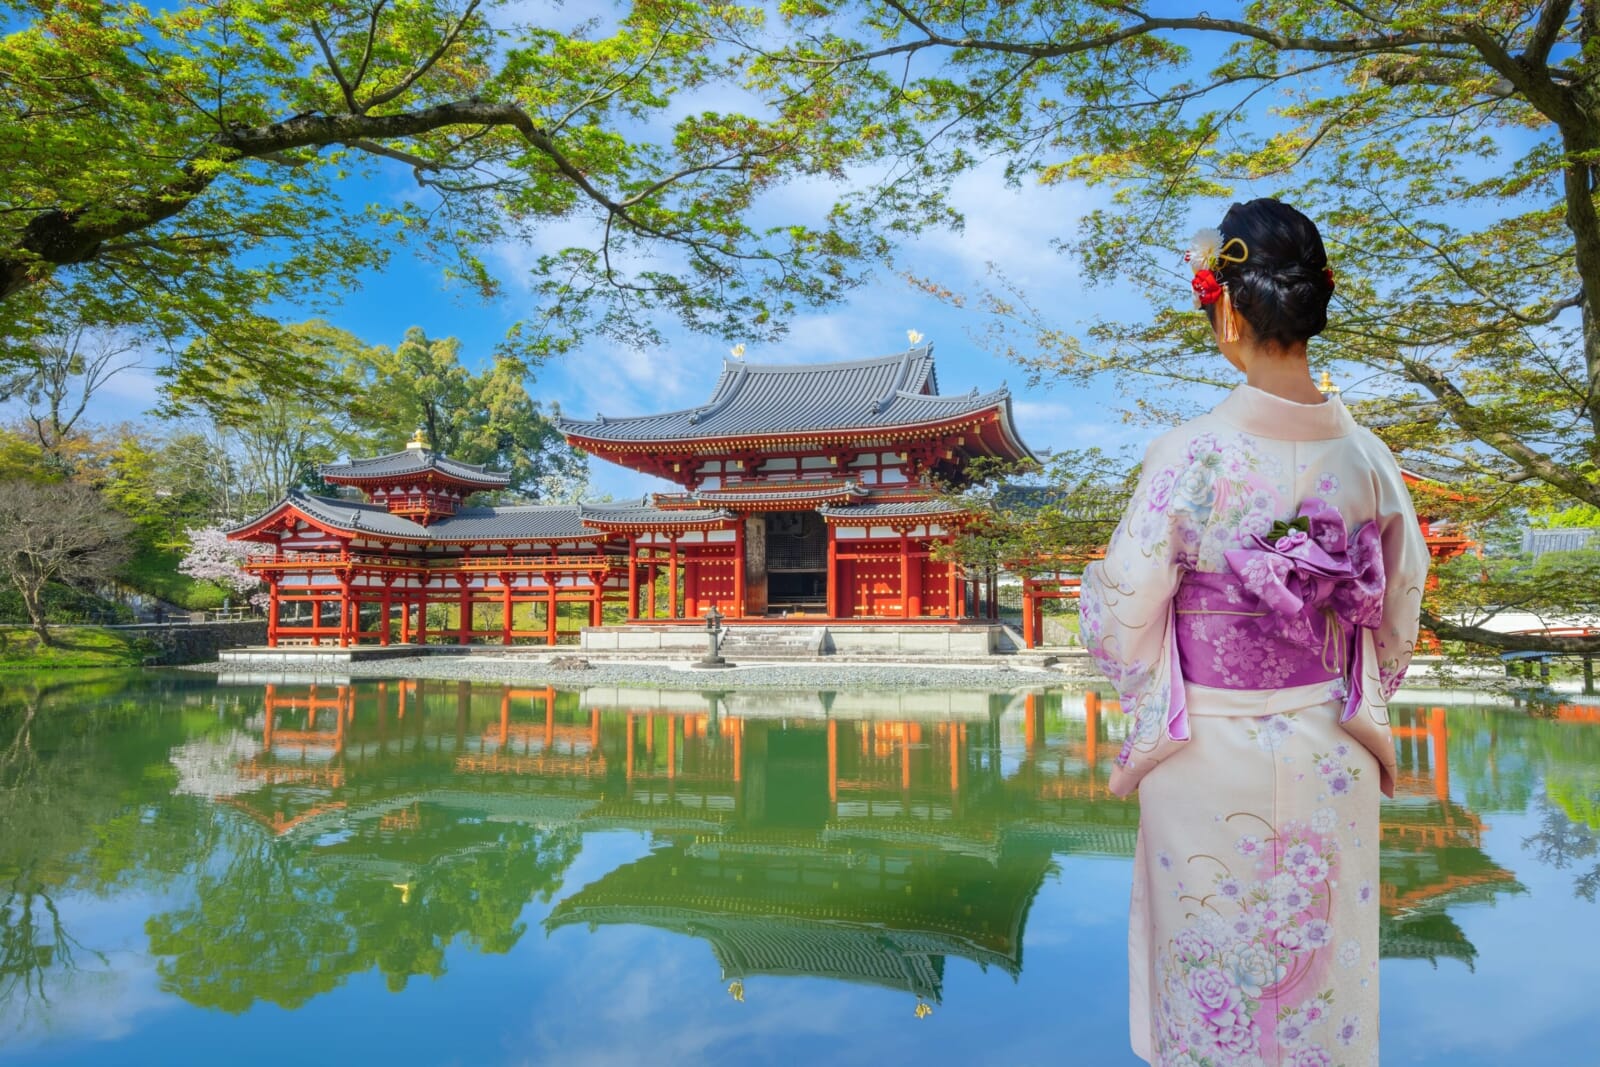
[1536, 543]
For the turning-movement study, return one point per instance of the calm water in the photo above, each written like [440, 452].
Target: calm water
[435, 873]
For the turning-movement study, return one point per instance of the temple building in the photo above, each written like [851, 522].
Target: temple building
[809, 492]
[807, 489]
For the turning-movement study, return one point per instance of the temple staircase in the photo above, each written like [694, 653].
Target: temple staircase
[774, 642]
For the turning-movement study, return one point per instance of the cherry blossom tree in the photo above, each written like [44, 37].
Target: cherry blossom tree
[212, 557]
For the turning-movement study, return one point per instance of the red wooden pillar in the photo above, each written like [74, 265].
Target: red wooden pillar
[273, 608]
[833, 572]
[464, 631]
[316, 620]
[914, 575]
[905, 576]
[691, 581]
[505, 609]
[650, 579]
[389, 597]
[738, 569]
[345, 627]
[957, 608]
[672, 578]
[551, 615]
[597, 604]
[633, 576]
[422, 614]
[1030, 634]
[405, 618]
[994, 593]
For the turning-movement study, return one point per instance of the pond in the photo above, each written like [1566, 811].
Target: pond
[433, 873]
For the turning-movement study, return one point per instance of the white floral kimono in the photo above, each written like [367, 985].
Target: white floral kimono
[1256, 608]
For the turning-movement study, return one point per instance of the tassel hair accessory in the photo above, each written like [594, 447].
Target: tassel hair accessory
[1208, 251]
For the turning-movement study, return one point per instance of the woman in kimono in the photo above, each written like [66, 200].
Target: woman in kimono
[1255, 609]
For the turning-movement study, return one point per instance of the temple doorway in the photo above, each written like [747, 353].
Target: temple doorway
[797, 563]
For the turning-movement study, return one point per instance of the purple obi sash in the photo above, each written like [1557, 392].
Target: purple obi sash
[1286, 612]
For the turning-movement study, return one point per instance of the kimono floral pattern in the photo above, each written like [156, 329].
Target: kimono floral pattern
[1186, 512]
[1210, 488]
[1251, 978]
[1253, 934]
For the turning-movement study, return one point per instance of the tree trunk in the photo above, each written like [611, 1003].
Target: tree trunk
[32, 600]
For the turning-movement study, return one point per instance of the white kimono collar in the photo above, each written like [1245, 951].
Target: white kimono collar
[1264, 414]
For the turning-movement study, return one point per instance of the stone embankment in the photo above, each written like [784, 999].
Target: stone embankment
[174, 644]
[999, 676]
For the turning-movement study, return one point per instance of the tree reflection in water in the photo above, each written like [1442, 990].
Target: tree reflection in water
[295, 836]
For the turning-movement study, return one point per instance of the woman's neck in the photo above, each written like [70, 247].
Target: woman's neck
[1284, 374]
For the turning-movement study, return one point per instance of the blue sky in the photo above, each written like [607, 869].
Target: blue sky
[1009, 227]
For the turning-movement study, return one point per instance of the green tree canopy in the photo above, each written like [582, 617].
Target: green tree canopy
[486, 418]
[186, 167]
[1447, 150]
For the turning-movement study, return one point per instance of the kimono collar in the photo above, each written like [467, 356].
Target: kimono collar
[1264, 414]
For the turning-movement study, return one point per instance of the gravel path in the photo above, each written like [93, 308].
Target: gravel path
[662, 675]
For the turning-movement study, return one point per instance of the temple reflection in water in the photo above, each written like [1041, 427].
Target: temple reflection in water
[860, 837]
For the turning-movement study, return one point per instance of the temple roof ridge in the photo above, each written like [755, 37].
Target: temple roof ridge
[767, 400]
[409, 461]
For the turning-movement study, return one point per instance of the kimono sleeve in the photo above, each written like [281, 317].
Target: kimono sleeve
[1405, 568]
[1125, 601]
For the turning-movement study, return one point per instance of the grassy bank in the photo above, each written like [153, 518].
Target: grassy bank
[74, 648]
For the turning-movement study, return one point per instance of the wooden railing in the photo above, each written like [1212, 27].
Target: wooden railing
[302, 560]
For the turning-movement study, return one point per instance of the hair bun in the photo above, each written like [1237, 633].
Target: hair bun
[1282, 289]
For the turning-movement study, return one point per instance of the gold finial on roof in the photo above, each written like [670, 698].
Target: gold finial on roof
[418, 441]
[405, 891]
[923, 1009]
[737, 351]
[1326, 385]
[736, 991]
[914, 337]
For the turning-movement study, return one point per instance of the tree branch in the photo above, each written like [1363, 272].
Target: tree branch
[333, 65]
[1147, 24]
[1477, 635]
[438, 53]
[1488, 430]
[1552, 18]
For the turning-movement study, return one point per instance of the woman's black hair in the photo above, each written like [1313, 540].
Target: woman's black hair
[1282, 287]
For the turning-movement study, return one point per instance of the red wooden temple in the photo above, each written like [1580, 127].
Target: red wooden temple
[807, 489]
[807, 492]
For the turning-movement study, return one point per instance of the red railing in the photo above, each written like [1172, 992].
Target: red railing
[304, 560]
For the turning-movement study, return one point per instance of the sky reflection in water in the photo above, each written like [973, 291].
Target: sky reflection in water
[436, 873]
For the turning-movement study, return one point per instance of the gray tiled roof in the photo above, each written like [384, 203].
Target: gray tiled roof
[536, 522]
[645, 513]
[889, 509]
[414, 461]
[763, 398]
[356, 516]
[778, 492]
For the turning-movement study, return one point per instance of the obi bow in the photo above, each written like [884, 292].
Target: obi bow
[1315, 584]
